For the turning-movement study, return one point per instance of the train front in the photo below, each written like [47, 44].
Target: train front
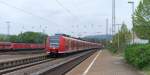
[53, 44]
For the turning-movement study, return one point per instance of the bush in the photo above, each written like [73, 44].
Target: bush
[111, 48]
[138, 55]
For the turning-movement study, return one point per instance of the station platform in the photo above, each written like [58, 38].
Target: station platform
[104, 63]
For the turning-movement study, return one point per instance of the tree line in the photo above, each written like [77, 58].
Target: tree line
[120, 40]
[26, 37]
[141, 19]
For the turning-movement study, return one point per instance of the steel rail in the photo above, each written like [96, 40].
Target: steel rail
[65, 66]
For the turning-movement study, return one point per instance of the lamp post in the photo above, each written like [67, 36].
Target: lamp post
[8, 30]
[113, 16]
[118, 35]
[132, 3]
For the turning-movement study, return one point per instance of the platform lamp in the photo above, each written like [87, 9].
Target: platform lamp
[132, 3]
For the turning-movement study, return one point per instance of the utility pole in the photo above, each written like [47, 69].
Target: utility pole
[44, 29]
[40, 28]
[132, 2]
[107, 22]
[22, 29]
[8, 30]
[110, 30]
[113, 16]
[8, 27]
[118, 35]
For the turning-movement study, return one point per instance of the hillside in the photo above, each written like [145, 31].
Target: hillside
[99, 37]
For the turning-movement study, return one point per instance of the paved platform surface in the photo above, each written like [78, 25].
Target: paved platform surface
[104, 63]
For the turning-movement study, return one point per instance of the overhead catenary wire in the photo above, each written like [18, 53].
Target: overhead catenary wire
[67, 10]
[29, 13]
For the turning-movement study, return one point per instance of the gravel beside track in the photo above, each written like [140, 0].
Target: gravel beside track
[9, 65]
[4, 58]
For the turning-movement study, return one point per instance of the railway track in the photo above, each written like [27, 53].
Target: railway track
[48, 66]
[16, 63]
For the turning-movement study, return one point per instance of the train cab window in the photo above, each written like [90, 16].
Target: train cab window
[54, 41]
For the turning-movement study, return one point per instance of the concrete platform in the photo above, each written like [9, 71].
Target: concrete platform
[104, 63]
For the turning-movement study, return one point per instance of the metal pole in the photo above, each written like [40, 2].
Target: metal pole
[133, 21]
[40, 28]
[113, 16]
[131, 2]
[8, 30]
[8, 27]
[107, 26]
[118, 36]
[21, 37]
[22, 29]
[106, 30]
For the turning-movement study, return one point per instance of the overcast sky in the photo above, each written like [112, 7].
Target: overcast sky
[73, 17]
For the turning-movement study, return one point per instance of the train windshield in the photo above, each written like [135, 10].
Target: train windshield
[54, 41]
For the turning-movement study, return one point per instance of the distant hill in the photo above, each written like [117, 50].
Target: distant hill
[99, 37]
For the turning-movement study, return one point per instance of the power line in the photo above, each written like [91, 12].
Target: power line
[29, 13]
[69, 11]
[113, 16]
[66, 9]
[8, 27]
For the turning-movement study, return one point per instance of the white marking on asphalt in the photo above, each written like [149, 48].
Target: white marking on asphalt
[86, 71]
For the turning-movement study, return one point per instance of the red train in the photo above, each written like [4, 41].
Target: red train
[60, 44]
[6, 46]
[57, 44]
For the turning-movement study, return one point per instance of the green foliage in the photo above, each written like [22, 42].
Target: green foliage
[31, 37]
[12, 38]
[111, 48]
[138, 55]
[123, 37]
[27, 37]
[2, 37]
[142, 20]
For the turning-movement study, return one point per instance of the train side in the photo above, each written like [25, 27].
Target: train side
[57, 44]
[20, 46]
[5, 45]
[60, 44]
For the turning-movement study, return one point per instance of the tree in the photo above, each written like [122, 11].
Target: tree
[2, 38]
[26, 37]
[124, 36]
[13, 38]
[142, 20]
[31, 37]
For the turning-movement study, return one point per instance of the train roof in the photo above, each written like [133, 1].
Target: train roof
[80, 39]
